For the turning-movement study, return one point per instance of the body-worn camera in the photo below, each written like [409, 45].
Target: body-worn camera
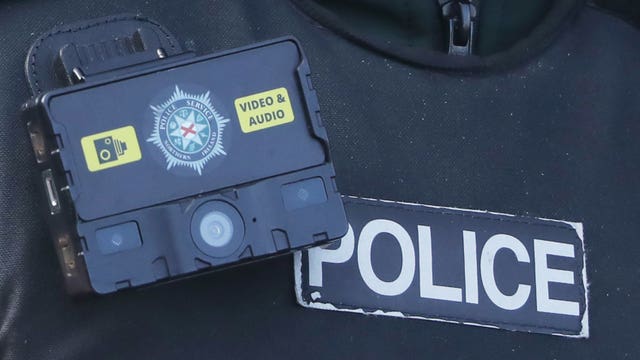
[158, 165]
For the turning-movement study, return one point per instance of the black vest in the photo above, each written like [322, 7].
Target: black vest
[546, 126]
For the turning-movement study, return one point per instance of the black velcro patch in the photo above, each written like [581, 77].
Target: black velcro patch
[463, 266]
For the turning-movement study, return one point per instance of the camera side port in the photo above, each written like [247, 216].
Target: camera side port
[38, 142]
[52, 192]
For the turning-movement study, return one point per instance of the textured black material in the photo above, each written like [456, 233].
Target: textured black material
[495, 30]
[95, 46]
[627, 9]
[555, 136]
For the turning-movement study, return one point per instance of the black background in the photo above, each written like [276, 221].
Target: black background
[343, 283]
[554, 135]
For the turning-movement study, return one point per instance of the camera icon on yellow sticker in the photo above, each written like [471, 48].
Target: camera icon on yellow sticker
[111, 148]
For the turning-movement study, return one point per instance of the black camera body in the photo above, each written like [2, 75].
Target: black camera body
[180, 164]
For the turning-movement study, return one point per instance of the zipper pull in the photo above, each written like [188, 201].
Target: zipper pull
[462, 17]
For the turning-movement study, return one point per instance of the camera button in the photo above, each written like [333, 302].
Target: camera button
[117, 238]
[304, 193]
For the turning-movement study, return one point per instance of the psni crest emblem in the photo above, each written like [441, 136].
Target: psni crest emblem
[188, 130]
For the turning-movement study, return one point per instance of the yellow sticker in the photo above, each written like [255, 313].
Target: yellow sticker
[264, 110]
[111, 148]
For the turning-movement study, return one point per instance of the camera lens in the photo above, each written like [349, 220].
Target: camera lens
[217, 228]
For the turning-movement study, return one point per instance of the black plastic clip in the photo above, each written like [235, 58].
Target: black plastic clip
[75, 62]
[461, 16]
[91, 49]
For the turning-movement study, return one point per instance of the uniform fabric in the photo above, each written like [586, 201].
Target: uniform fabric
[552, 135]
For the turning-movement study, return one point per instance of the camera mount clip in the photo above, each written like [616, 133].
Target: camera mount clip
[76, 52]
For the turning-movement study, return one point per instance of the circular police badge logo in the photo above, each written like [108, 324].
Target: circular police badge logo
[188, 130]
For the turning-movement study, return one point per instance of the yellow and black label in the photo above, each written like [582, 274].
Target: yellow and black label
[264, 110]
[111, 148]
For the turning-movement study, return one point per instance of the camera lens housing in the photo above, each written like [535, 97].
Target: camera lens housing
[217, 228]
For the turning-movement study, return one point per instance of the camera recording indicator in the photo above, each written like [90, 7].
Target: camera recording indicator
[111, 148]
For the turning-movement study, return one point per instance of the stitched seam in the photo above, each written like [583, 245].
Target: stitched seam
[42, 39]
[407, 21]
[454, 318]
[427, 209]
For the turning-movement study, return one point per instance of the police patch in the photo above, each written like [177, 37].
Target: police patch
[188, 130]
[453, 265]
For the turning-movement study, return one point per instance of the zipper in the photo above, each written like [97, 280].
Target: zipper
[461, 17]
